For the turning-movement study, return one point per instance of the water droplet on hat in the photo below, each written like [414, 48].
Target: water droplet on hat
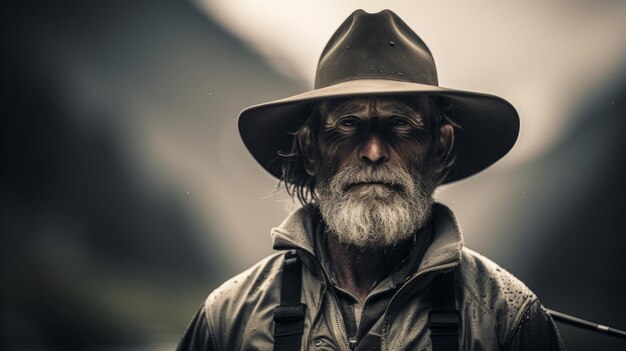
[347, 46]
[400, 74]
[391, 43]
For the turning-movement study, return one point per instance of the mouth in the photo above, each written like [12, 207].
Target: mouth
[359, 185]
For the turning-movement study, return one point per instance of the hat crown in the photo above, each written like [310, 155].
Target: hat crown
[375, 46]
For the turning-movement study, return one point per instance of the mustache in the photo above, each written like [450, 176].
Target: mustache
[393, 177]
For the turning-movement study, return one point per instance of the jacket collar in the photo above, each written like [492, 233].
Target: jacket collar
[298, 229]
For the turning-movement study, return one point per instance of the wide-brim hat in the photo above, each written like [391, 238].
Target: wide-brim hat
[379, 55]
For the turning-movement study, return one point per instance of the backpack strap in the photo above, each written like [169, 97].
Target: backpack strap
[444, 316]
[289, 315]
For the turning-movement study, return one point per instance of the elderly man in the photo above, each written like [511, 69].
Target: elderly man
[371, 262]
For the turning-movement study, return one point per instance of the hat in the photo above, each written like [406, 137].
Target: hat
[379, 55]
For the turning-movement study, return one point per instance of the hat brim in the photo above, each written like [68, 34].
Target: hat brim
[489, 125]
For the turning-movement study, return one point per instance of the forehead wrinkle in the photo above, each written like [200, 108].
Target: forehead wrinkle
[402, 108]
[349, 106]
[372, 105]
[378, 106]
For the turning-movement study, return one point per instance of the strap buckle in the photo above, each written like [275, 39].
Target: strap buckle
[288, 320]
[289, 312]
[444, 323]
[291, 258]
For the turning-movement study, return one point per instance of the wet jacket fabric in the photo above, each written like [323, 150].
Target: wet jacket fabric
[498, 312]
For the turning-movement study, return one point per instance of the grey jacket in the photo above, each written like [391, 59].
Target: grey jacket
[498, 312]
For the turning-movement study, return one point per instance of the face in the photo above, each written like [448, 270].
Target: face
[376, 172]
[375, 131]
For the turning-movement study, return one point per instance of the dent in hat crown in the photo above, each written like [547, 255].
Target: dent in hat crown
[375, 46]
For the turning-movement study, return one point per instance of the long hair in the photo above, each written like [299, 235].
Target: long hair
[301, 185]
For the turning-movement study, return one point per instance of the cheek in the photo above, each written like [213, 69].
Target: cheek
[411, 150]
[335, 146]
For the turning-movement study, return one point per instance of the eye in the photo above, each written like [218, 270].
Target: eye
[400, 123]
[349, 123]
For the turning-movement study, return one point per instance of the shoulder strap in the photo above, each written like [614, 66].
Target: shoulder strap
[289, 315]
[444, 316]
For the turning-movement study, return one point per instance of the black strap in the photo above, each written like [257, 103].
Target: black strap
[444, 316]
[289, 315]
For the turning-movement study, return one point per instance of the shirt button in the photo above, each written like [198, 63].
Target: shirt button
[318, 342]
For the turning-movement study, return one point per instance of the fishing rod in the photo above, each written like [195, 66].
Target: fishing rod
[581, 323]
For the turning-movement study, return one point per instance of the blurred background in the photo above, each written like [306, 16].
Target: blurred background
[127, 195]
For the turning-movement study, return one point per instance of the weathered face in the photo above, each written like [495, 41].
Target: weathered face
[375, 131]
[377, 170]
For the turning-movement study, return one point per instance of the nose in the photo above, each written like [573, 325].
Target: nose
[373, 150]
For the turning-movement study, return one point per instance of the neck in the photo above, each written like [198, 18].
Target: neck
[358, 270]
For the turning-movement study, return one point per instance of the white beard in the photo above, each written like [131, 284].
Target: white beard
[375, 215]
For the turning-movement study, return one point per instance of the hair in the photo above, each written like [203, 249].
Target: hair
[301, 185]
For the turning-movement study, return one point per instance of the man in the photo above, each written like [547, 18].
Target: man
[370, 262]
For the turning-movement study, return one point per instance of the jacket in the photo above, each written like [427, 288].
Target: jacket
[497, 311]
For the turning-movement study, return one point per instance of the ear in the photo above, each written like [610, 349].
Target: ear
[309, 166]
[307, 150]
[443, 158]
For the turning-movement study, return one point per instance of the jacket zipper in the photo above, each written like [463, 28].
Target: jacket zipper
[337, 317]
[339, 323]
[406, 283]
